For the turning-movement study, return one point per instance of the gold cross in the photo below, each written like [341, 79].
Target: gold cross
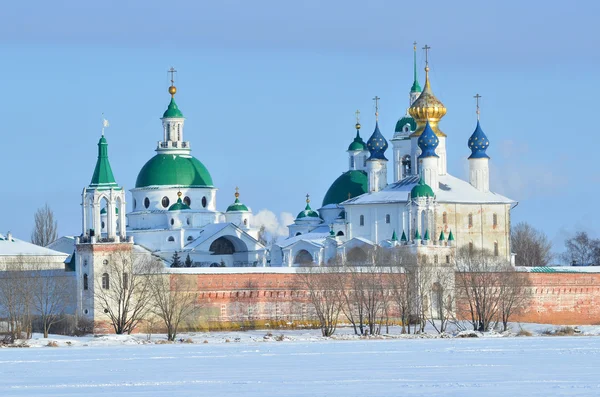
[477, 96]
[307, 198]
[172, 71]
[376, 99]
[426, 48]
[414, 46]
[357, 113]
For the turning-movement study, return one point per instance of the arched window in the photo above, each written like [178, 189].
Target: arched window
[222, 246]
[190, 238]
[245, 222]
[495, 220]
[361, 221]
[172, 221]
[496, 250]
[444, 218]
[470, 220]
[134, 203]
[204, 202]
[105, 281]
[171, 239]
[146, 202]
[352, 162]
[297, 234]
[406, 166]
[340, 233]
[85, 281]
[303, 257]
[388, 218]
[165, 202]
[188, 221]
[187, 201]
[357, 256]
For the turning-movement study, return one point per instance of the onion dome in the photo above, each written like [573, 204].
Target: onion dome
[350, 184]
[308, 212]
[427, 107]
[377, 144]
[103, 177]
[174, 170]
[179, 205]
[478, 143]
[172, 111]
[428, 142]
[237, 205]
[103, 210]
[421, 190]
[357, 145]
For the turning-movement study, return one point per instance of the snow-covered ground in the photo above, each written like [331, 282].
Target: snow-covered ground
[303, 364]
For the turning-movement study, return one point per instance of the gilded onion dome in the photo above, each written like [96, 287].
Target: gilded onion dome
[427, 107]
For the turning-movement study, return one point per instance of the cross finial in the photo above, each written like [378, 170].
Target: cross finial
[307, 198]
[172, 71]
[237, 192]
[376, 99]
[477, 96]
[414, 46]
[105, 124]
[357, 114]
[426, 48]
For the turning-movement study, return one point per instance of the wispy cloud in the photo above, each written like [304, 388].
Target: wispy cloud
[275, 225]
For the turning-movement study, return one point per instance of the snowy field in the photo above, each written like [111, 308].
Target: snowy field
[304, 365]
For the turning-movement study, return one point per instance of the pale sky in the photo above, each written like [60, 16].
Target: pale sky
[269, 90]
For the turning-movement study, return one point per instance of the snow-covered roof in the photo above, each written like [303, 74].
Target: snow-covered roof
[451, 190]
[312, 237]
[560, 269]
[65, 244]
[10, 246]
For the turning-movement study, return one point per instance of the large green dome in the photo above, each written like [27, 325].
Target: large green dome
[174, 170]
[350, 184]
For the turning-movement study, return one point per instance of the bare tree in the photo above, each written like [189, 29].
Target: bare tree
[401, 289]
[531, 246]
[50, 293]
[442, 296]
[124, 291]
[323, 289]
[12, 303]
[515, 292]
[582, 249]
[262, 235]
[174, 299]
[45, 229]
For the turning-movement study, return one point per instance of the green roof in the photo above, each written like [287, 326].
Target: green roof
[415, 87]
[357, 144]
[350, 184]
[307, 213]
[406, 120]
[417, 235]
[179, 205]
[172, 111]
[421, 190]
[403, 238]
[394, 236]
[237, 206]
[442, 237]
[103, 210]
[174, 170]
[451, 236]
[103, 176]
[426, 236]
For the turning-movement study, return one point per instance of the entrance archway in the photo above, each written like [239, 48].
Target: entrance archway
[303, 257]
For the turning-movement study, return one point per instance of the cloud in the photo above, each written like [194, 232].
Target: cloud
[274, 225]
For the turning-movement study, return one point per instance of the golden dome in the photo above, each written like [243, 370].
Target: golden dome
[427, 107]
[172, 90]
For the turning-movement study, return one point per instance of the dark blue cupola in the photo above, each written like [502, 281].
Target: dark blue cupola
[377, 145]
[428, 142]
[478, 143]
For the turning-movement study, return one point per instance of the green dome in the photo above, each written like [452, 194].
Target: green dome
[103, 210]
[174, 170]
[179, 205]
[406, 120]
[351, 183]
[237, 206]
[421, 190]
[357, 143]
[308, 212]
[172, 111]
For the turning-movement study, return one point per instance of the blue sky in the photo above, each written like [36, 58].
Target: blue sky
[269, 89]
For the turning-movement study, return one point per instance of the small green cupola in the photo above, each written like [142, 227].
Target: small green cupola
[357, 144]
[421, 190]
[103, 177]
[308, 213]
[172, 111]
[179, 205]
[237, 205]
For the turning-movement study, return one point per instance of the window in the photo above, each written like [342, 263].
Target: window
[364, 161]
[171, 239]
[86, 311]
[187, 201]
[105, 281]
[362, 220]
[495, 220]
[351, 161]
[172, 221]
[103, 225]
[387, 218]
[447, 258]
[406, 166]
[85, 262]
[470, 246]
[245, 222]
[496, 251]
[470, 220]
[105, 262]
[435, 259]
[340, 233]
[165, 202]
[125, 280]
[190, 238]
[444, 218]
[204, 202]
[146, 202]
[188, 221]
[134, 203]
[85, 281]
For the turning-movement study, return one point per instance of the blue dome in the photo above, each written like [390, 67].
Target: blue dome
[478, 143]
[377, 144]
[428, 142]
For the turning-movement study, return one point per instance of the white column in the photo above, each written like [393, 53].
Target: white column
[84, 205]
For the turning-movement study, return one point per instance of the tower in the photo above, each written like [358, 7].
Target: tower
[172, 122]
[357, 150]
[479, 172]
[427, 108]
[404, 127]
[238, 214]
[377, 162]
[428, 159]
